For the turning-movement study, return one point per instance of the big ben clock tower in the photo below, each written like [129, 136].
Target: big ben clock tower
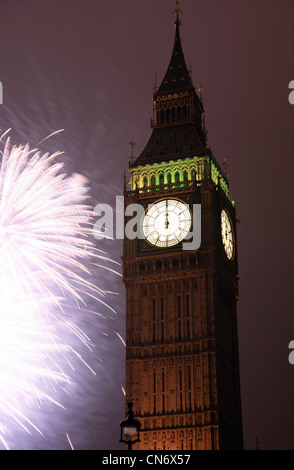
[182, 366]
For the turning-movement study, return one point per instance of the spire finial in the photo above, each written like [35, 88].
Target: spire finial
[177, 11]
[131, 154]
[155, 83]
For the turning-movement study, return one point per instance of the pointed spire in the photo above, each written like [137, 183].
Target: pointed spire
[177, 110]
[131, 154]
[177, 77]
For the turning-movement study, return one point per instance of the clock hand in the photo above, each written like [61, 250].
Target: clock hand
[166, 217]
[166, 221]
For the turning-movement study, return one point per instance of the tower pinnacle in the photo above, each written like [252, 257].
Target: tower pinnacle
[177, 11]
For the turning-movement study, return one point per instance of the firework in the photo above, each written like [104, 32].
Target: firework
[45, 258]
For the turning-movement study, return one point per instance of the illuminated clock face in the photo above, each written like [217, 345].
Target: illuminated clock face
[227, 234]
[166, 223]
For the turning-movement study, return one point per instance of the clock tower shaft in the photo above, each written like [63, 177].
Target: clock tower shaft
[182, 365]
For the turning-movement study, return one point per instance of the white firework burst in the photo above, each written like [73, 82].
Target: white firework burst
[45, 254]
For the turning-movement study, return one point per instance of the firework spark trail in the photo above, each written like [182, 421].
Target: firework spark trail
[69, 441]
[45, 254]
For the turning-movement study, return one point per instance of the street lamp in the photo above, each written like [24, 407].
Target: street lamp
[129, 428]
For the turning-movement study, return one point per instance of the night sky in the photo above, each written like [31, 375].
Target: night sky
[88, 67]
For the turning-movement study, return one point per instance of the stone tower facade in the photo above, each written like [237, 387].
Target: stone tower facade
[182, 365]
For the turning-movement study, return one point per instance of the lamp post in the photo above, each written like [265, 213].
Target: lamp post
[130, 427]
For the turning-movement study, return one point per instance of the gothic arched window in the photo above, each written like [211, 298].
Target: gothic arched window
[173, 114]
[167, 115]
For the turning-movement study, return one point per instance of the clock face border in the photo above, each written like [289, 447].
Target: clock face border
[229, 252]
[166, 246]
